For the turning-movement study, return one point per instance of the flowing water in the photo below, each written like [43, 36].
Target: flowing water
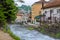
[26, 34]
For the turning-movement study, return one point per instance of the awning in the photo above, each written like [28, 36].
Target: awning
[39, 16]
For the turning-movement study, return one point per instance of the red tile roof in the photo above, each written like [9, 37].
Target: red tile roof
[19, 14]
[54, 3]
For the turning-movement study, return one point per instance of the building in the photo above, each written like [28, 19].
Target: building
[52, 11]
[36, 10]
[22, 16]
[19, 16]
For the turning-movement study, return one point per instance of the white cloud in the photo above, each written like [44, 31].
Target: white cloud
[47, 0]
[30, 2]
[27, 2]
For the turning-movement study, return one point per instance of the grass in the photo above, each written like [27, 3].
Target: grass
[11, 34]
[57, 35]
[30, 28]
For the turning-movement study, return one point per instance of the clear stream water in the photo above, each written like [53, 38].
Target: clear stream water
[26, 34]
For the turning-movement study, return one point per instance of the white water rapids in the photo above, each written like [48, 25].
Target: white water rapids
[26, 34]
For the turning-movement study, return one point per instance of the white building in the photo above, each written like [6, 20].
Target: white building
[22, 16]
[52, 11]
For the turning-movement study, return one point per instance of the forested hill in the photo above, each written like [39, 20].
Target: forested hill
[25, 7]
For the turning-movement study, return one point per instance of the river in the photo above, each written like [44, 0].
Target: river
[26, 34]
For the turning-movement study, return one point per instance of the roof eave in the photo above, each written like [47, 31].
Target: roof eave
[50, 7]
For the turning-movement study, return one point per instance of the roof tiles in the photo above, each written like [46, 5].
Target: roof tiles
[54, 3]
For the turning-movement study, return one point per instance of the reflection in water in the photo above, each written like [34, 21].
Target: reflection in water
[26, 34]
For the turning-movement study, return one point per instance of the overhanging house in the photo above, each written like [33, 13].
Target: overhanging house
[36, 10]
[52, 11]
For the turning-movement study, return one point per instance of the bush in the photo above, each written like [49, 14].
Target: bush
[8, 11]
[57, 35]
[52, 30]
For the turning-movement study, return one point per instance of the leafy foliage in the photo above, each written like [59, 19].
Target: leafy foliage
[25, 7]
[7, 11]
[21, 1]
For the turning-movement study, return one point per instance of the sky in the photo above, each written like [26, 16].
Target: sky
[27, 2]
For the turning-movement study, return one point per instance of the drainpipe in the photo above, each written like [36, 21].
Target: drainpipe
[40, 19]
[42, 2]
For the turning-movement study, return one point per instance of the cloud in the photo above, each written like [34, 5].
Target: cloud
[27, 2]
[47, 0]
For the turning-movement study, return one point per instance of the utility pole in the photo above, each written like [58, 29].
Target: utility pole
[42, 2]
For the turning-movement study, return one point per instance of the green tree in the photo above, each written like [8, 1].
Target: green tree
[8, 11]
[21, 1]
[25, 7]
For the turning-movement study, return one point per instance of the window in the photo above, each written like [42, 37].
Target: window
[58, 10]
[45, 11]
[51, 11]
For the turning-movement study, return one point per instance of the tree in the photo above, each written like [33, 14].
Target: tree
[21, 1]
[7, 11]
[25, 7]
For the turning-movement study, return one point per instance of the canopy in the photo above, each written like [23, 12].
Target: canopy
[39, 16]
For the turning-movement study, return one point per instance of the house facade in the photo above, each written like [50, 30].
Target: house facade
[52, 11]
[36, 10]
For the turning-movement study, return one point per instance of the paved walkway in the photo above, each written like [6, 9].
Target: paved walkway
[4, 36]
